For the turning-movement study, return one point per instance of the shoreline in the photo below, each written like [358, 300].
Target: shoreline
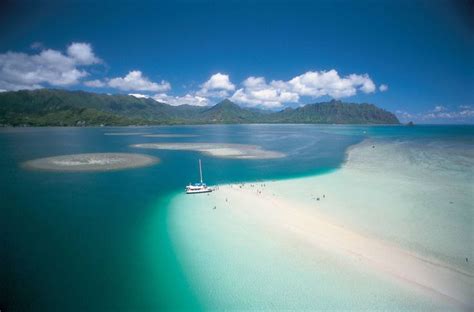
[322, 232]
[278, 207]
[230, 124]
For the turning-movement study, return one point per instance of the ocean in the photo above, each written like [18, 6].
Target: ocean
[101, 241]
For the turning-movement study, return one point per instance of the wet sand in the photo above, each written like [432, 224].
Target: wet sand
[164, 135]
[430, 276]
[235, 151]
[91, 162]
[382, 211]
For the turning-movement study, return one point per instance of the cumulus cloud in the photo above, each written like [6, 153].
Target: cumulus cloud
[439, 108]
[55, 68]
[190, 99]
[320, 83]
[82, 53]
[219, 81]
[257, 92]
[135, 81]
[31, 71]
[219, 85]
[213, 87]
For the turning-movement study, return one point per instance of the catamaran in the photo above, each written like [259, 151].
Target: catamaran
[200, 187]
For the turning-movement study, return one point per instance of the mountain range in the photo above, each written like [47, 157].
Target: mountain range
[51, 107]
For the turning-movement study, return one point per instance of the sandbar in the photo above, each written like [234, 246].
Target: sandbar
[222, 150]
[124, 133]
[165, 135]
[91, 162]
[380, 211]
[433, 277]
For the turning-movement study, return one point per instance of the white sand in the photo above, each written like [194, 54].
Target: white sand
[166, 135]
[382, 210]
[223, 150]
[91, 162]
[322, 233]
[125, 133]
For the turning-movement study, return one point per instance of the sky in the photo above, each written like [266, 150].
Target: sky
[414, 58]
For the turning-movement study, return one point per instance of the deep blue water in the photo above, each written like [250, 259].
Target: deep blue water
[73, 241]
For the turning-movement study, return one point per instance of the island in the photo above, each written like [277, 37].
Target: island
[52, 107]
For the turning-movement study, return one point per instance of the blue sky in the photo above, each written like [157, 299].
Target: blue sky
[410, 57]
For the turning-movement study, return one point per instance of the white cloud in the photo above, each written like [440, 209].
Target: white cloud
[218, 85]
[467, 113]
[55, 68]
[458, 115]
[190, 99]
[254, 91]
[440, 114]
[403, 115]
[82, 53]
[31, 71]
[257, 92]
[320, 83]
[219, 81]
[139, 95]
[135, 81]
[94, 83]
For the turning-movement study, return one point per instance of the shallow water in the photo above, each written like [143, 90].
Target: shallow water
[418, 194]
[233, 262]
[100, 240]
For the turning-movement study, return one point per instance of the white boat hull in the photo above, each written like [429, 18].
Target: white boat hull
[206, 190]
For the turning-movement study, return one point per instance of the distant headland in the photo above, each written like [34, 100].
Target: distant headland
[51, 107]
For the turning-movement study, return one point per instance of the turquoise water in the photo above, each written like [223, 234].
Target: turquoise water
[99, 241]
[234, 263]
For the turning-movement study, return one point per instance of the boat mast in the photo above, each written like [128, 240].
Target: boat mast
[200, 170]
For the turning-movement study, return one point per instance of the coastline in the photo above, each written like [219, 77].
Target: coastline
[342, 224]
